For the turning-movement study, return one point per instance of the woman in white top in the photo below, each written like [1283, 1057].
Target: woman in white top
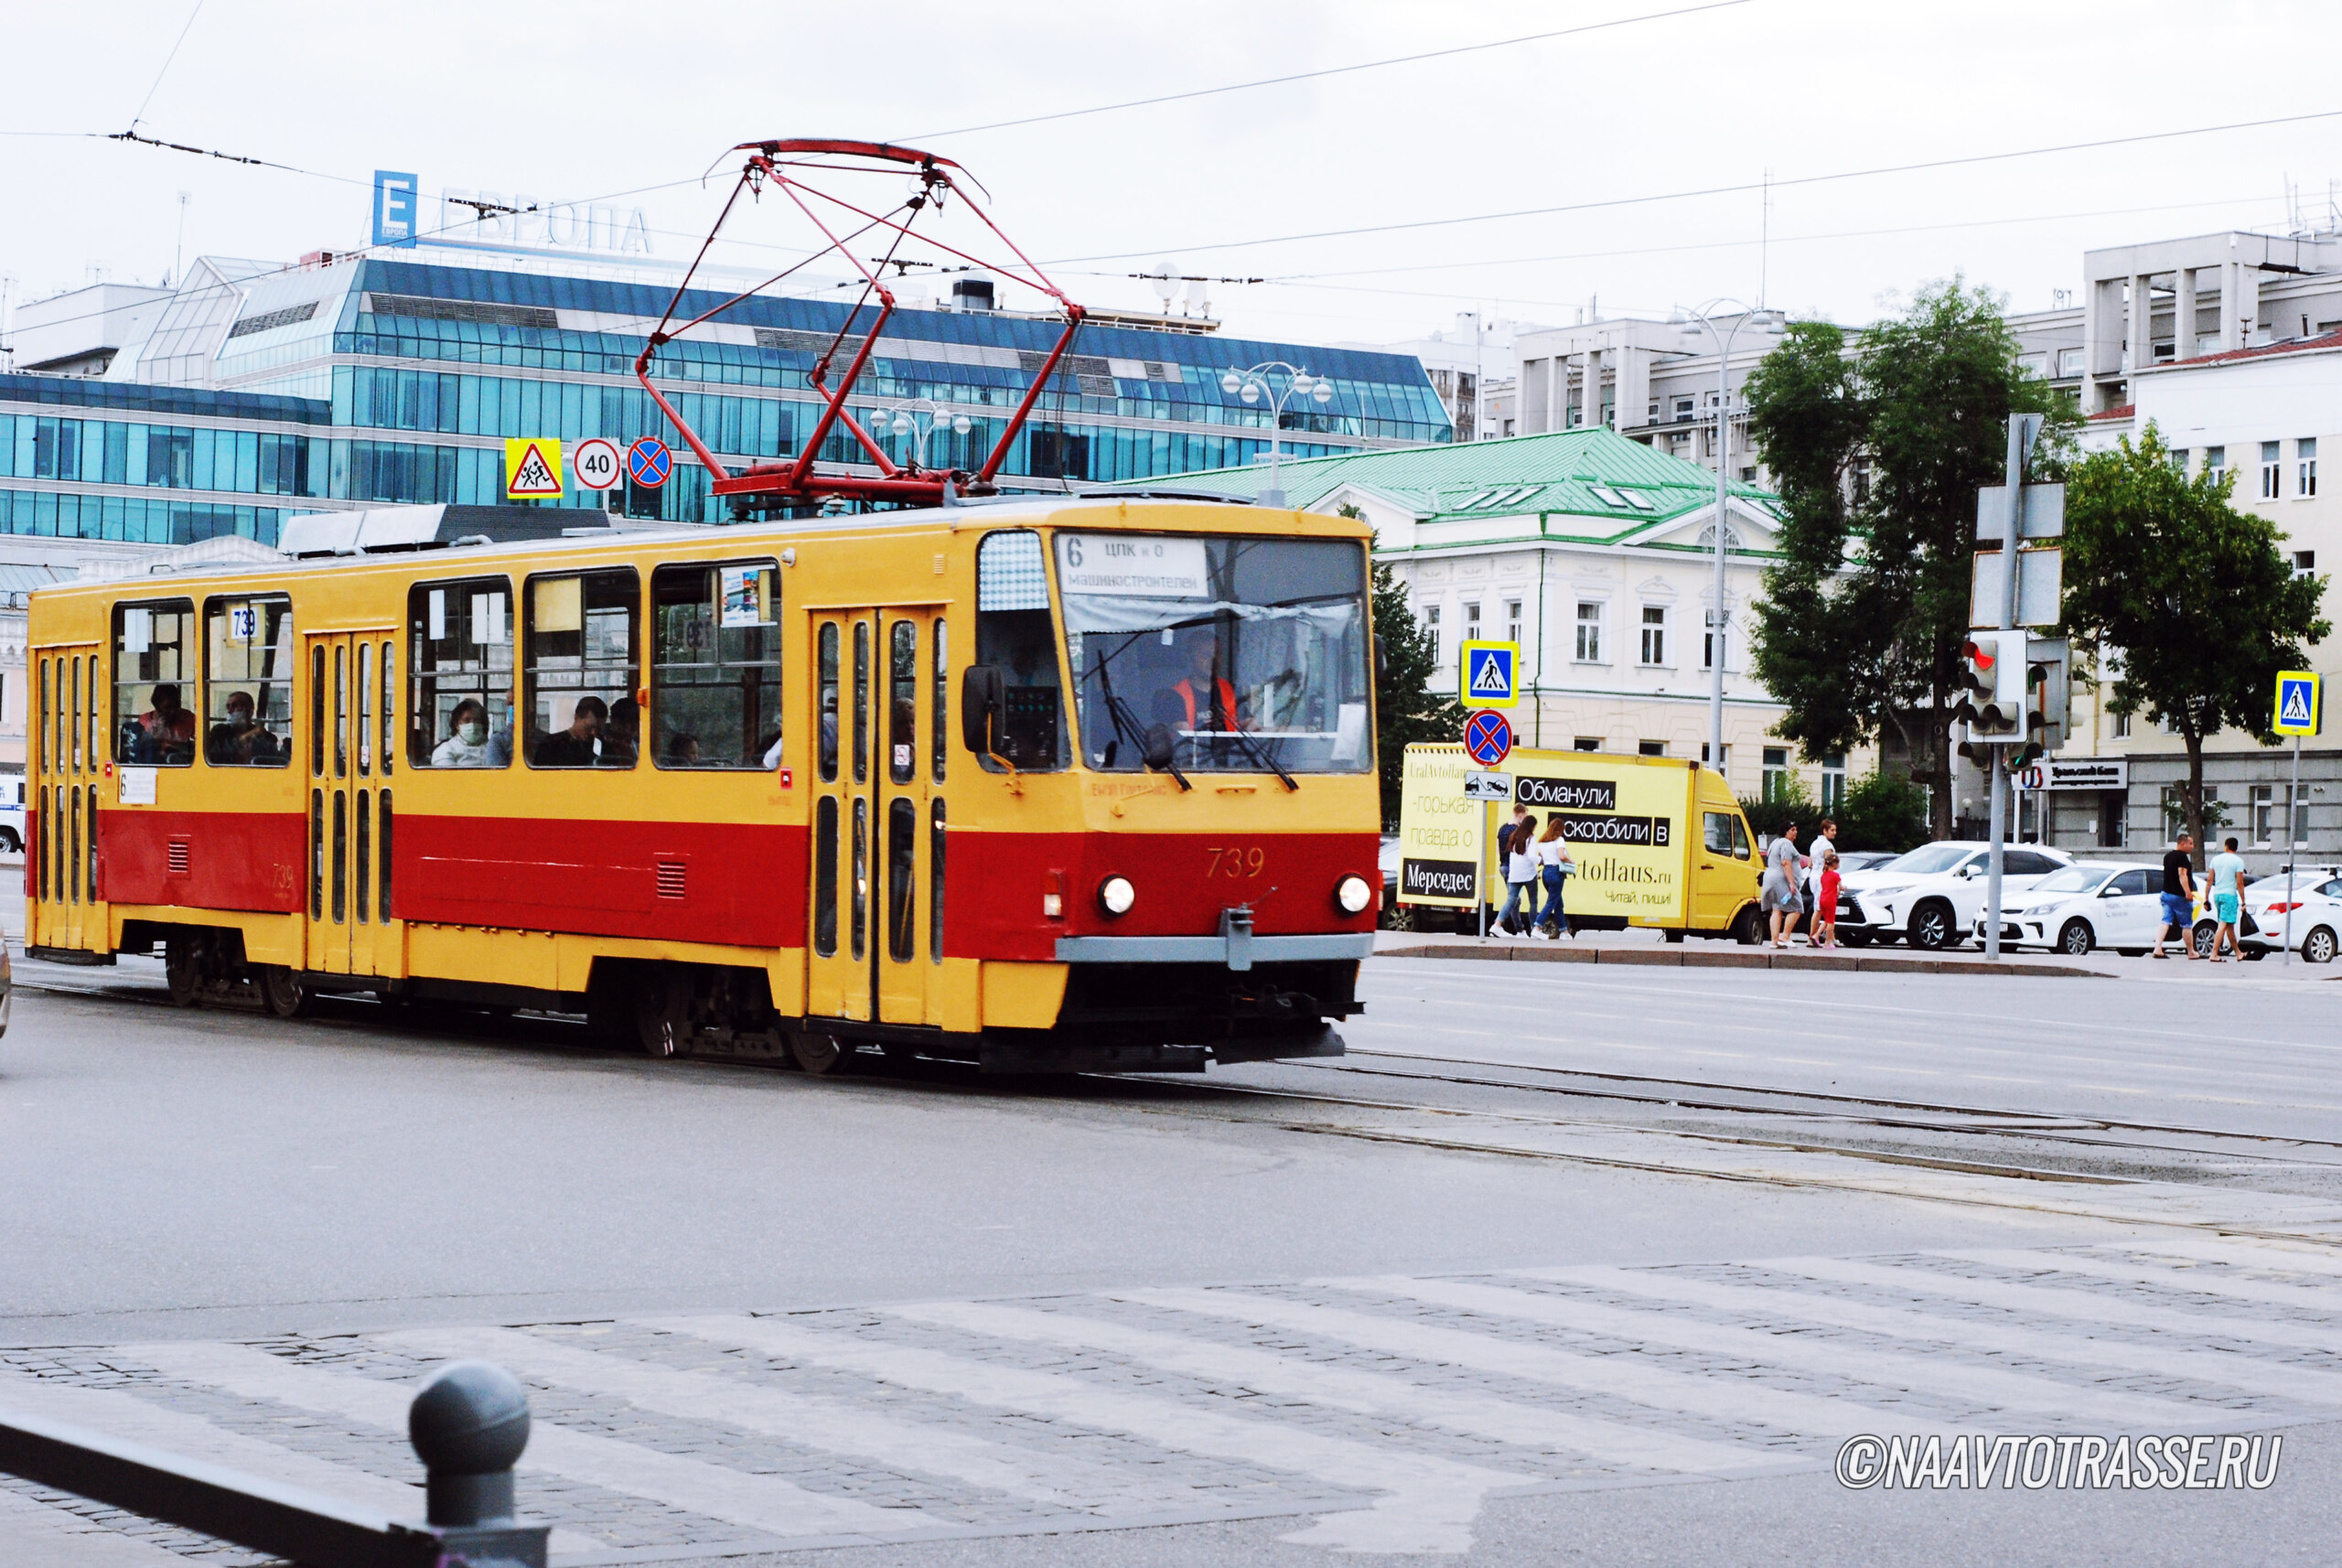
[468, 744]
[1553, 853]
[1520, 876]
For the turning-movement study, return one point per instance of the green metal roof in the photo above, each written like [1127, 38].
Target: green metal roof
[1516, 476]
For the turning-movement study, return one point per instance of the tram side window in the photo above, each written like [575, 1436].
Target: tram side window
[154, 667]
[715, 665]
[460, 670]
[1014, 635]
[248, 683]
[581, 669]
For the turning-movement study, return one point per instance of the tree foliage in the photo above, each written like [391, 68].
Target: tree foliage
[1883, 811]
[2187, 602]
[1862, 618]
[1406, 708]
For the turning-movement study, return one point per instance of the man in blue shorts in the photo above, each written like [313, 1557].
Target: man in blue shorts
[2179, 897]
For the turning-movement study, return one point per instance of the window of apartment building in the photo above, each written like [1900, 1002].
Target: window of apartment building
[1650, 748]
[1589, 631]
[1748, 476]
[1858, 477]
[2272, 465]
[1710, 644]
[1777, 772]
[2034, 364]
[1430, 616]
[1724, 758]
[2175, 812]
[1586, 743]
[1654, 634]
[1472, 622]
[2306, 466]
[1683, 407]
[2216, 462]
[1512, 621]
[2305, 562]
[2122, 726]
[1834, 781]
[2070, 362]
[2177, 457]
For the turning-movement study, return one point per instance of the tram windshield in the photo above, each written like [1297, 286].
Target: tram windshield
[1252, 654]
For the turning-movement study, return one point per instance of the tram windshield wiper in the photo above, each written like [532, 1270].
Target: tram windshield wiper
[1262, 754]
[1126, 728]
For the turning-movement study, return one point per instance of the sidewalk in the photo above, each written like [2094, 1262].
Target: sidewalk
[1647, 947]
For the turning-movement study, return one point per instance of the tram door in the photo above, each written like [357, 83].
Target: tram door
[875, 926]
[350, 723]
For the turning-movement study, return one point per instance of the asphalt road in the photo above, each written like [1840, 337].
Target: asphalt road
[1279, 1312]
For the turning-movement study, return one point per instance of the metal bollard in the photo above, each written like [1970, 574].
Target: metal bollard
[468, 1426]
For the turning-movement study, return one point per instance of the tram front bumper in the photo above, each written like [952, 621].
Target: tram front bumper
[1239, 950]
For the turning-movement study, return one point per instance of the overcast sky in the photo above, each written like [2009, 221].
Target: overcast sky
[591, 97]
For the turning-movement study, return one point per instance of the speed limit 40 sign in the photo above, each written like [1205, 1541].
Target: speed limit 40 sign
[594, 464]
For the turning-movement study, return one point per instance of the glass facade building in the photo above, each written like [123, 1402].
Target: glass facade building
[257, 395]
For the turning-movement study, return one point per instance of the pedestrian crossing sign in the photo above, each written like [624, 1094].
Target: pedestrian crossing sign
[531, 469]
[2301, 705]
[1489, 674]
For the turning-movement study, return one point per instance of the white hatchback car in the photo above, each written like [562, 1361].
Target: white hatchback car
[1934, 895]
[2097, 904]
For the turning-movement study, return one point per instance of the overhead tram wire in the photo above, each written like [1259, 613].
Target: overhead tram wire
[132, 133]
[1328, 71]
[1741, 188]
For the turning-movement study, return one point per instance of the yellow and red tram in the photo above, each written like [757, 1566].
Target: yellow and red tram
[1039, 784]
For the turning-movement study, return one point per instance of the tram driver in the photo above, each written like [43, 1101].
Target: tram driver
[1202, 701]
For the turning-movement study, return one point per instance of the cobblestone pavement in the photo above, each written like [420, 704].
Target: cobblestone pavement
[1378, 1414]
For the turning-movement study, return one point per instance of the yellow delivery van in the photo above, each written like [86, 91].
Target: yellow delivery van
[1658, 842]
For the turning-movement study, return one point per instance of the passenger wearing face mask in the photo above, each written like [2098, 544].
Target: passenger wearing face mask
[466, 745]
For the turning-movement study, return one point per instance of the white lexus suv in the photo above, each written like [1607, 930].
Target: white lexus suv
[1933, 897]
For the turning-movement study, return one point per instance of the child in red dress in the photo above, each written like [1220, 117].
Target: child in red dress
[1825, 909]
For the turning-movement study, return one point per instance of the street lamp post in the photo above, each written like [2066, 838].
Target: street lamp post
[1253, 382]
[919, 419]
[1694, 324]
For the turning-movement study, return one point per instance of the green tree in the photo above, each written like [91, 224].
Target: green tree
[1406, 709]
[2188, 601]
[1878, 453]
[1885, 810]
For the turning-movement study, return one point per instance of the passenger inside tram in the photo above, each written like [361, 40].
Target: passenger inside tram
[165, 731]
[621, 734]
[468, 744]
[241, 740]
[575, 746]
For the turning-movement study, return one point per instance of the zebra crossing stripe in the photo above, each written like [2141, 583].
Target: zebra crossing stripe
[2088, 1306]
[1733, 1402]
[765, 1503]
[1073, 1484]
[1373, 1393]
[1774, 1304]
[1428, 1504]
[2314, 1298]
[1889, 1370]
[2243, 1255]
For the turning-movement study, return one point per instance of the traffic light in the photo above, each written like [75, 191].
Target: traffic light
[2049, 691]
[1992, 704]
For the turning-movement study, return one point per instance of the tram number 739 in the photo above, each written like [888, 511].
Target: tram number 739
[1235, 860]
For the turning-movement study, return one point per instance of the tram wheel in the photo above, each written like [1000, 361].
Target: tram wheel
[819, 1054]
[663, 1013]
[281, 990]
[183, 973]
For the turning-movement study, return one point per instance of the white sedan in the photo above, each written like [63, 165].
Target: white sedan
[2102, 904]
[2317, 912]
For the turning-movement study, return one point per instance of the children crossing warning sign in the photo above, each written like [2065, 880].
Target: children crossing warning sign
[1489, 670]
[2301, 709]
[531, 469]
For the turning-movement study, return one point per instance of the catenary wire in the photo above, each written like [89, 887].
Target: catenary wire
[167, 59]
[1741, 188]
[1328, 71]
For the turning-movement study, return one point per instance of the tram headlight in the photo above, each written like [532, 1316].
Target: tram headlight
[1115, 895]
[1353, 895]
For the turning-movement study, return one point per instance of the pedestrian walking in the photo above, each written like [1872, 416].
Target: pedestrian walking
[1518, 844]
[1825, 910]
[1823, 848]
[2228, 901]
[2178, 896]
[1554, 863]
[1779, 896]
